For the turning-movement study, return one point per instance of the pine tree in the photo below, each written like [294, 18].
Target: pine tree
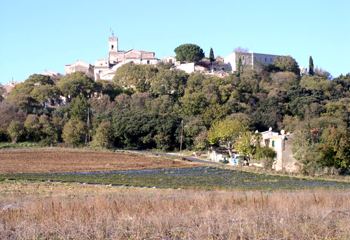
[211, 55]
[311, 66]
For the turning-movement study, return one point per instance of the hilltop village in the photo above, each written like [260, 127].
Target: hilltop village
[197, 120]
[246, 108]
[105, 69]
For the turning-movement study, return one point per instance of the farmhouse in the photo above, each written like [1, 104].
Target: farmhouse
[281, 143]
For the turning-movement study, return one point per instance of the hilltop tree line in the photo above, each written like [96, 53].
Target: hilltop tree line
[147, 107]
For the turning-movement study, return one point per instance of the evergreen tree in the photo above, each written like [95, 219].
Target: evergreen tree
[311, 66]
[79, 108]
[189, 53]
[211, 55]
[239, 67]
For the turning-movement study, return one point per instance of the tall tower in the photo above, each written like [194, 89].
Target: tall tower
[113, 43]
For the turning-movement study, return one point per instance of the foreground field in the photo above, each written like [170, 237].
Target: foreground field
[125, 169]
[45, 200]
[74, 211]
[68, 160]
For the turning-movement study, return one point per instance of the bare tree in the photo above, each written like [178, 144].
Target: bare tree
[9, 112]
[241, 50]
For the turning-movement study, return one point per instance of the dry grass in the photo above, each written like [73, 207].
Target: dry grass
[66, 160]
[72, 211]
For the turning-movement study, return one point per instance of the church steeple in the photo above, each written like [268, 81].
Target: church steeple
[113, 43]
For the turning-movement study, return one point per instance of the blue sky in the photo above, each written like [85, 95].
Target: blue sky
[39, 35]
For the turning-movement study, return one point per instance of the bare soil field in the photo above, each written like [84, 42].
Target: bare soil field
[69, 160]
[75, 211]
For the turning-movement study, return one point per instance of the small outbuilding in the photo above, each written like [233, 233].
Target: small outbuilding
[281, 143]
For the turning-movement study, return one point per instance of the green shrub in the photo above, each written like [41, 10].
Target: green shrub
[74, 132]
[266, 155]
[15, 130]
[103, 136]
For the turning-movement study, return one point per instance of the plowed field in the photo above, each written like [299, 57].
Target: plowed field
[63, 160]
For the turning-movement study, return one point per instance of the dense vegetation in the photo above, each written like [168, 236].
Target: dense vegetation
[147, 107]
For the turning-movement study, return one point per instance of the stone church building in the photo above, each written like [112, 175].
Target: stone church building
[104, 69]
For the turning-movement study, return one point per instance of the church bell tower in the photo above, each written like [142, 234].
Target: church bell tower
[113, 43]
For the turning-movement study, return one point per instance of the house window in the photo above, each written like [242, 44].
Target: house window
[112, 47]
[148, 62]
[273, 143]
[267, 142]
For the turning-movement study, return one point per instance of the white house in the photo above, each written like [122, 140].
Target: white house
[281, 143]
[169, 60]
[80, 66]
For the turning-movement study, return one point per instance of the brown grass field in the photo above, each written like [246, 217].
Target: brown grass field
[47, 210]
[70, 160]
[74, 211]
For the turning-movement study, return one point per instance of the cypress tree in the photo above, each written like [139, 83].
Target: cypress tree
[311, 66]
[211, 55]
[239, 67]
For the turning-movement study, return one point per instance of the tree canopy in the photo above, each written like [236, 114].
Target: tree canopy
[287, 63]
[35, 93]
[75, 84]
[156, 106]
[135, 76]
[226, 132]
[189, 53]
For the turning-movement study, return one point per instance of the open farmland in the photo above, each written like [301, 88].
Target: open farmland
[208, 178]
[70, 160]
[125, 169]
[75, 211]
[42, 198]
